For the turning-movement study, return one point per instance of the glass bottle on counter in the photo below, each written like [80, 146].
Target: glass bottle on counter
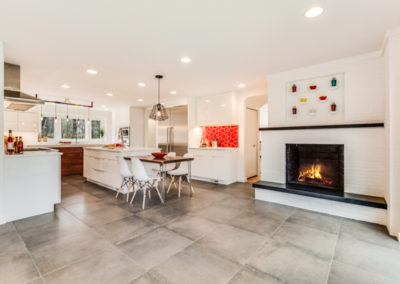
[20, 146]
[10, 143]
[16, 145]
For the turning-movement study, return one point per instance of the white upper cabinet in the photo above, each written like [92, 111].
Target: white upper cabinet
[21, 121]
[216, 110]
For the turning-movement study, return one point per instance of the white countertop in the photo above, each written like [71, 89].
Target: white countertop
[64, 145]
[122, 150]
[33, 154]
[214, 148]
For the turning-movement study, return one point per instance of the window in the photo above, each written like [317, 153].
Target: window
[96, 129]
[72, 129]
[47, 127]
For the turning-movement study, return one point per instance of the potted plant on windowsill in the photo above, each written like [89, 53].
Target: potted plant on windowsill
[101, 133]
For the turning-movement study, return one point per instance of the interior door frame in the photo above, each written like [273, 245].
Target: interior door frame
[257, 142]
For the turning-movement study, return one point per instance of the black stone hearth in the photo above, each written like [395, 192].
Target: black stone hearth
[315, 168]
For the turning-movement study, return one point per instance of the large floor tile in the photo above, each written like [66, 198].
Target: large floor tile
[126, 228]
[220, 214]
[248, 275]
[273, 210]
[110, 266]
[368, 232]
[66, 250]
[10, 242]
[57, 225]
[367, 256]
[233, 243]
[192, 227]
[189, 204]
[196, 265]
[317, 242]
[103, 214]
[291, 264]
[146, 278]
[154, 247]
[234, 202]
[323, 222]
[161, 214]
[17, 268]
[263, 225]
[343, 273]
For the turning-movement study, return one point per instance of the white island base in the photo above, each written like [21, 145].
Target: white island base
[32, 183]
[100, 165]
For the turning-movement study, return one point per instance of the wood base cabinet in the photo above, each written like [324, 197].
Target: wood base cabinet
[71, 160]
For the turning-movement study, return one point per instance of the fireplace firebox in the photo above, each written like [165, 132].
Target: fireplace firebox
[315, 167]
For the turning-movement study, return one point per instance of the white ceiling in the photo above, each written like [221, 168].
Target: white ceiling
[229, 41]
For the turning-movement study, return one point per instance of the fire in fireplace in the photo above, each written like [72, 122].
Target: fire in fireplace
[315, 166]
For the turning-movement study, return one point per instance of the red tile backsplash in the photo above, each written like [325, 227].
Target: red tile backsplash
[227, 136]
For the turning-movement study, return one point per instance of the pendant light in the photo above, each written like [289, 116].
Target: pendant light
[158, 112]
[88, 116]
[67, 114]
[41, 112]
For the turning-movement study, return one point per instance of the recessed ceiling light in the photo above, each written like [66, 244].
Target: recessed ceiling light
[207, 101]
[314, 12]
[223, 105]
[140, 100]
[173, 92]
[141, 84]
[241, 85]
[109, 94]
[65, 86]
[91, 71]
[185, 59]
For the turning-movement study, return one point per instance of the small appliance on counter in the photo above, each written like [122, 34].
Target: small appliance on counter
[124, 135]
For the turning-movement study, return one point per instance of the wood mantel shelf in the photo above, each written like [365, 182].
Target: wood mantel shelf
[357, 125]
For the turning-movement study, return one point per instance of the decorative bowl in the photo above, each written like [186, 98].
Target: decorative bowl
[159, 155]
[323, 98]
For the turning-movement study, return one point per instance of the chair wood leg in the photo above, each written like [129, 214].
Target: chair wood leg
[134, 194]
[119, 189]
[170, 184]
[158, 192]
[128, 190]
[180, 187]
[144, 196]
[149, 190]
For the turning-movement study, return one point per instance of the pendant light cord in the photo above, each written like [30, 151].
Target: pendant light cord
[159, 90]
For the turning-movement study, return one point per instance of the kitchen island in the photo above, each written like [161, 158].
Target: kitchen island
[100, 165]
[32, 183]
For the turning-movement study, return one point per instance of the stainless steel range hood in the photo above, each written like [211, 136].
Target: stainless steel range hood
[12, 90]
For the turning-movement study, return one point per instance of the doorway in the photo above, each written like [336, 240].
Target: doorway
[251, 142]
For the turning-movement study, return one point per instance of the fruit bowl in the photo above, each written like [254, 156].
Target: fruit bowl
[159, 155]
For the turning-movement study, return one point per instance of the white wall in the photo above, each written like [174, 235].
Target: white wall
[120, 118]
[264, 116]
[138, 123]
[392, 68]
[363, 90]
[2, 193]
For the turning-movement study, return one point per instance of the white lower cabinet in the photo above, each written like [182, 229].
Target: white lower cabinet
[214, 165]
[101, 165]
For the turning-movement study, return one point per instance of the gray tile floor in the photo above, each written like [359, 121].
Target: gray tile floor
[221, 235]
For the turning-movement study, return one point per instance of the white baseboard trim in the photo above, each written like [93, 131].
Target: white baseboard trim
[346, 210]
[213, 181]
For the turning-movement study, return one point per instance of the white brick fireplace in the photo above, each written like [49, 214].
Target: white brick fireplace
[371, 162]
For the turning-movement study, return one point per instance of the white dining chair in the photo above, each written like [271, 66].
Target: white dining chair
[181, 172]
[143, 181]
[168, 167]
[126, 175]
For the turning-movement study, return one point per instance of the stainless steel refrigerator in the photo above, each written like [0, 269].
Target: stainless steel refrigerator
[172, 134]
